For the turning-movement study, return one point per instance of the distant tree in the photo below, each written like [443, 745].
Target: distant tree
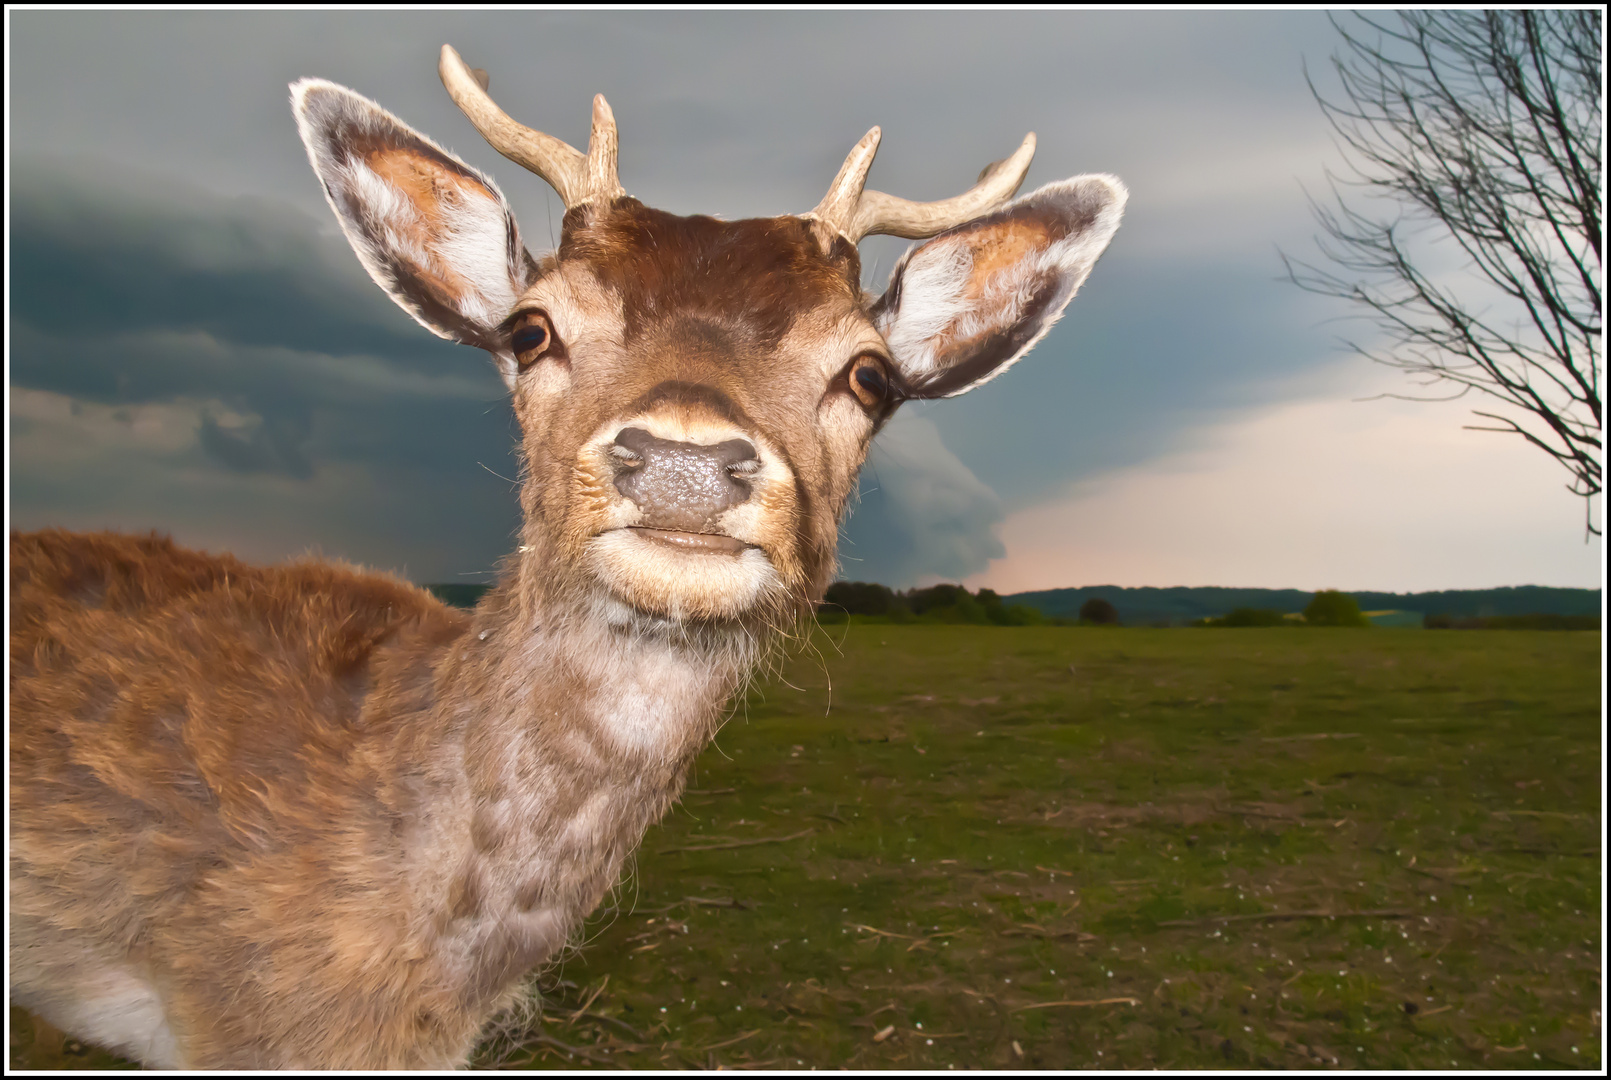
[1513, 622]
[1332, 608]
[860, 598]
[1024, 615]
[921, 600]
[1098, 610]
[1246, 616]
[997, 612]
[936, 604]
[1484, 127]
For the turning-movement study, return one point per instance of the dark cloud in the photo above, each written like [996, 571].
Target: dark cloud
[244, 316]
[284, 358]
[108, 252]
[273, 445]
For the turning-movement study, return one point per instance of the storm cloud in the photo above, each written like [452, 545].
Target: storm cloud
[285, 372]
[194, 348]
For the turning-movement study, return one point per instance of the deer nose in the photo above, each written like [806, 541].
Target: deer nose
[682, 486]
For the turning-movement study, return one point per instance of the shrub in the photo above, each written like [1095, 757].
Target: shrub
[1512, 622]
[859, 598]
[1099, 611]
[1246, 616]
[935, 597]
[1332, 608]
[1023, 615]
[936, 604]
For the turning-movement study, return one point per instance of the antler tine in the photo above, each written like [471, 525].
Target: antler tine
[577, 177]
[837, 209]
[873, 212]
[602, 146]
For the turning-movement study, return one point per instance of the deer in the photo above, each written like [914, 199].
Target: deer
[308, 816]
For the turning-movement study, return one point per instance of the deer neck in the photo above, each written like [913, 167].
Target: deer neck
[570, 726]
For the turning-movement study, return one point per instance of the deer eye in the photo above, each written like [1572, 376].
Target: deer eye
[869, 382]
[531, 338]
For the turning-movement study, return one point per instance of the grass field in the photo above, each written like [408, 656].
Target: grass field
[1073, 848]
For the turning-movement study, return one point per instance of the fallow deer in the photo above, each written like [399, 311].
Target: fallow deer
[309, 817]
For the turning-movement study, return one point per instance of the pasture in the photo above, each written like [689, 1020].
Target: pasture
[1061, 848]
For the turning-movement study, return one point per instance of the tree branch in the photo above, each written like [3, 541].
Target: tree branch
[1481, 128]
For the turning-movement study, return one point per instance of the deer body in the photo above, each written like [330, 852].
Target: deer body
[308, 816]
[407, 800]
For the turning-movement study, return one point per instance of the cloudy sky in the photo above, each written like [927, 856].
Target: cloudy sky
[193, 348]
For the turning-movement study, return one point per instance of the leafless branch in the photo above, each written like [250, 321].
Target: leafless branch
[1469, 226]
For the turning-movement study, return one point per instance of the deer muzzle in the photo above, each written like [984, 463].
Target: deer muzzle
[681, 487]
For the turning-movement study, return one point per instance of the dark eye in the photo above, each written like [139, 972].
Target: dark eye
[869, 382]
[531, 338]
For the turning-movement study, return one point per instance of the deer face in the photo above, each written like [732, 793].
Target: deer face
[691, 425]
[696, 396]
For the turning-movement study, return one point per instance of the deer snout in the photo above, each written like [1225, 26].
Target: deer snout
[681, 486]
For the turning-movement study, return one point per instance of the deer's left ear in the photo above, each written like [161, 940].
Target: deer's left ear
[962, 307]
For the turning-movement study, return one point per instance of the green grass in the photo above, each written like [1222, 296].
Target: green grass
[1268, 848]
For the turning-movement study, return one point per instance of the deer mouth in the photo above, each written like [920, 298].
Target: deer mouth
[709, 543]
[683, 574]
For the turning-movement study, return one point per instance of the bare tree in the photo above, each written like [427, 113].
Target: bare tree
[1482, 127]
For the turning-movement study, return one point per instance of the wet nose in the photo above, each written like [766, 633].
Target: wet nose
[682, 486]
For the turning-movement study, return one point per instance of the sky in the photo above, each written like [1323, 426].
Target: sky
[193, 348]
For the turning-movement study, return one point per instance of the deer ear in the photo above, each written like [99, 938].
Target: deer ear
[964, 306]
[436, 234]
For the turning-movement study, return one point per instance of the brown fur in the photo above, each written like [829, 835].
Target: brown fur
[763, 272]
[308, 802]
[309, 817]
[270, 794]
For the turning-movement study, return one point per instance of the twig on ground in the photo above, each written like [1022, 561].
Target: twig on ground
[1321, 735]
[716, 901]
[1282, 916]
[551, 1043]
[592, 997]
[1247, 811]
[1539, 813]
[1441, 874]
[1031, 930]
[1076, 1004]
[919, 941]
[729, 1042]
[736, 843]
[622, 1024]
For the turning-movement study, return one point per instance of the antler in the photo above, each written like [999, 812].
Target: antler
[577, 177]
[853, 212]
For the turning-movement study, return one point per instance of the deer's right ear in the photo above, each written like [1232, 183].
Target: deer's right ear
[433, 232]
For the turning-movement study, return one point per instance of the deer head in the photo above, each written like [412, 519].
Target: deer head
[696, 396]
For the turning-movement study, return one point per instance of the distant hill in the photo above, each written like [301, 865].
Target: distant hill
[1180, 605]
[1183, 605]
